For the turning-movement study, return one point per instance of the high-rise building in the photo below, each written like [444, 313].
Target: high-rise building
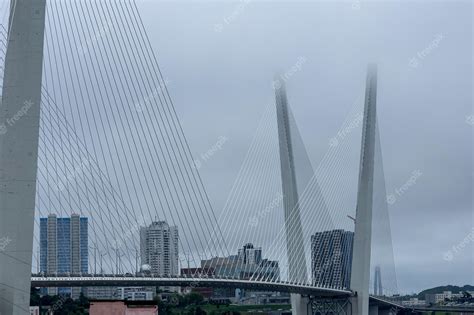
[247, 264]
[378, 291]
[222, 266]
[248, 255]
[331, 258]
[159, 248]
[64, 248]
[251, 264]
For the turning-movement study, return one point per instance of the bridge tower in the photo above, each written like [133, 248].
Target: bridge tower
[360, 272]
[293, 227]
[378, 291]
[19, 132]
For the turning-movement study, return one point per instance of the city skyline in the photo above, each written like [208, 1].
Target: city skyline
[423, 114]
[221, 146]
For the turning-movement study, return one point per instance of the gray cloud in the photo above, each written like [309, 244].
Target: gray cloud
[222, 83]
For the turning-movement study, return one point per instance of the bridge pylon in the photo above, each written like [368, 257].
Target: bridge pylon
[19, 134]
[360, 272]
[293, 227]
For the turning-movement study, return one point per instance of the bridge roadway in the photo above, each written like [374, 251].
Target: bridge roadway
[181, 281]
[441, 309]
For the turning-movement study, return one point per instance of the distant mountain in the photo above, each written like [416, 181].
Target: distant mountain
[441, 289]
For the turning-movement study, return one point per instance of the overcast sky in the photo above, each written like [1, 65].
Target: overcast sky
[220, 59]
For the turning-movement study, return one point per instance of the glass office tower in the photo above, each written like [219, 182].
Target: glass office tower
[64, 249]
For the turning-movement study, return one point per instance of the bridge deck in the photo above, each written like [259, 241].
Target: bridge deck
[127, 281]
[124, 281]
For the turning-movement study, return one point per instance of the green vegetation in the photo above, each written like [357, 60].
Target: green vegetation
[189, 304]
[194, 304]
[211, 309]
[59, 304]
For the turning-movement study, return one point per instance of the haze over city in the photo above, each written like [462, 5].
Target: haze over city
[221, 83]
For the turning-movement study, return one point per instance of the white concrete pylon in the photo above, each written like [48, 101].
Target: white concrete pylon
[360, 272]
[294, 231]
[19, 133]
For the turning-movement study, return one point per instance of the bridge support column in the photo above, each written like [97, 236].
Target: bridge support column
[19, 132]
[360, 272]
[294, 231]
[299, 304]
[373, 310]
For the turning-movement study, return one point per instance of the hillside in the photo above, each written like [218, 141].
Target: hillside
[452, 288]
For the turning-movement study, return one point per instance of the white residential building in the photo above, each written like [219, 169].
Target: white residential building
[136, 294]
[441, 297]
[159, 248]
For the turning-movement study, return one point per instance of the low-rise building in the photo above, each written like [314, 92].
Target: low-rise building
[115, 307]
[414, 302]
[102, 293]
[264, 298]
[122, 293]
[136, 293]
[206, 292]
[437, 298]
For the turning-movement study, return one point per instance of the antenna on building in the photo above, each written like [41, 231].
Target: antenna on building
[38, 263]
[136, 261]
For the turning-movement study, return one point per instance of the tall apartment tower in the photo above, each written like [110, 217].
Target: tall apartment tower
[64, 248]
[159, 248]
[378, 291]
[331, 258]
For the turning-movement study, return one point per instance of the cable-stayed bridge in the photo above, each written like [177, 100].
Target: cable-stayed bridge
[91, 145]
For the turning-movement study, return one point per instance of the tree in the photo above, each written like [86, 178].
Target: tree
[193, 298]
[35, 298]
[83, 301]
[199, 311]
